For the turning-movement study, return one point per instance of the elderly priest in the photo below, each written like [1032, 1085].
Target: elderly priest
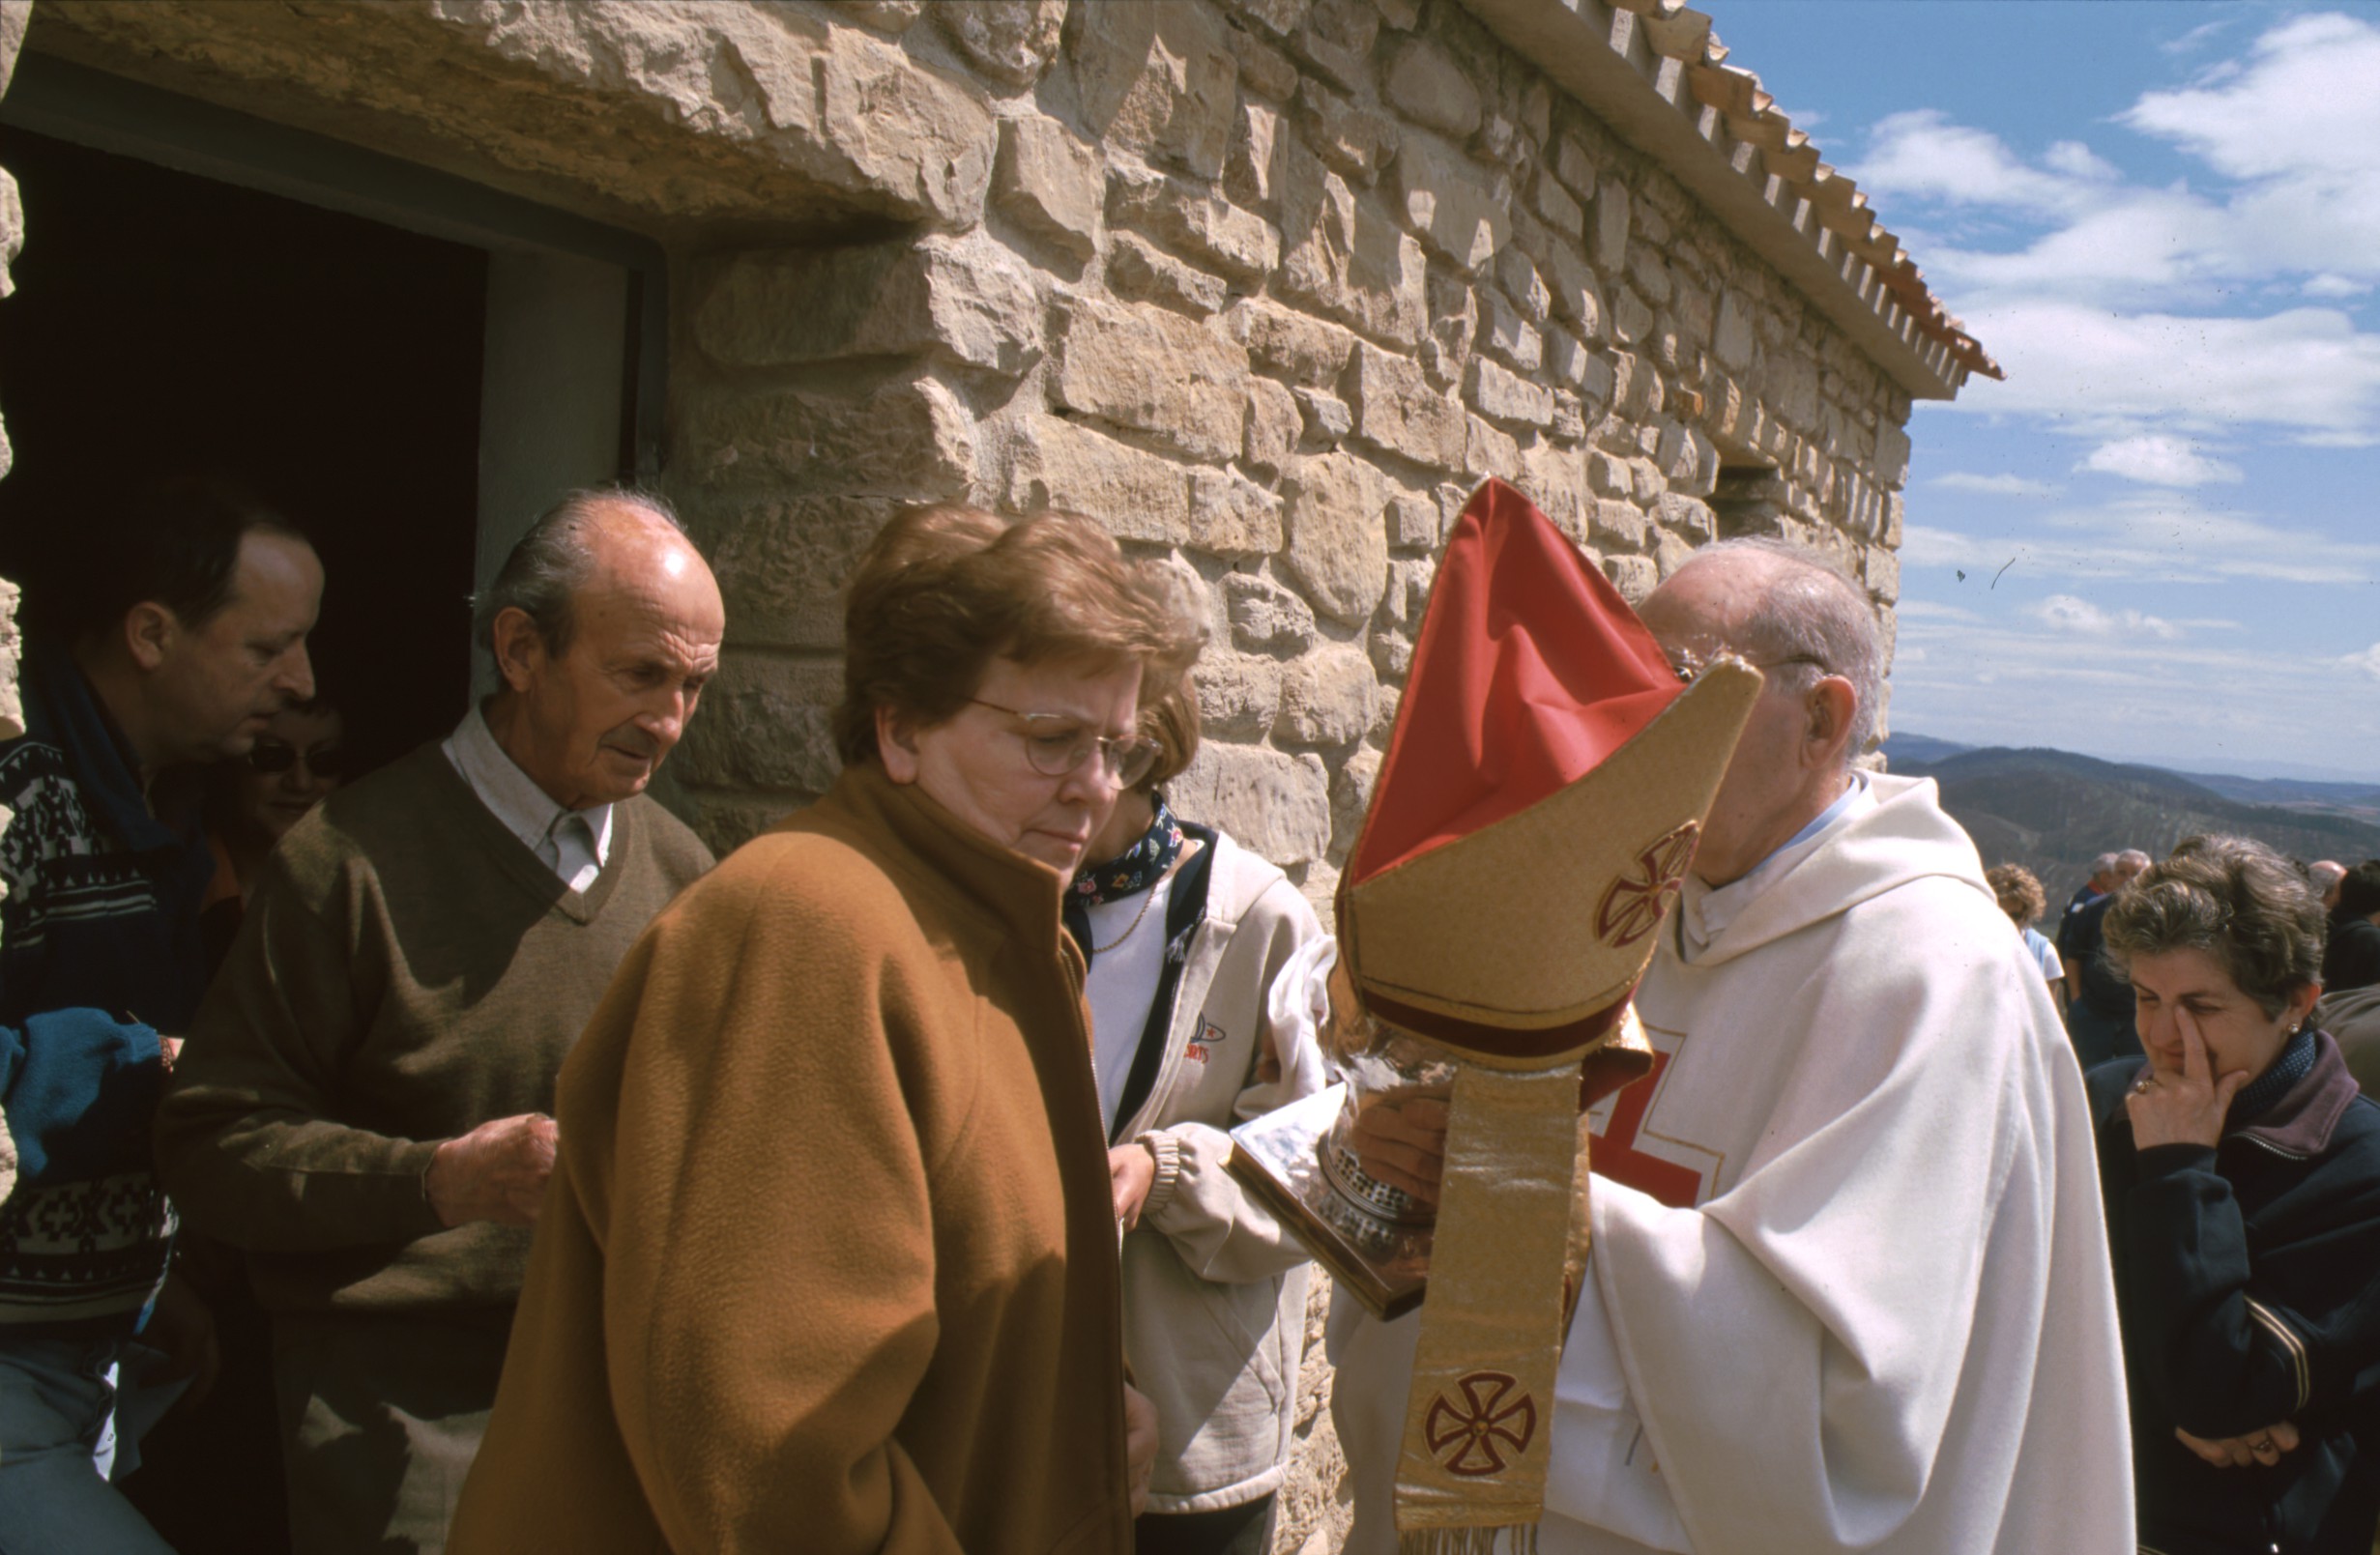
[1847, 1282]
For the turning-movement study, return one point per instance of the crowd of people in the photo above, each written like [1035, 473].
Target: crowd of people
[456, 1156]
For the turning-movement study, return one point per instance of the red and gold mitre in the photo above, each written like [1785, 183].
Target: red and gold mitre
[1533, 820]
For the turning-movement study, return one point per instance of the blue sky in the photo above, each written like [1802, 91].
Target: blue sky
[2164, 221]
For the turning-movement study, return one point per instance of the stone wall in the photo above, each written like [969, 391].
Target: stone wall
[1268, 285]
[1265, 285]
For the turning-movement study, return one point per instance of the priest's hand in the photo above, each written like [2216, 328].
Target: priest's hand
[2188, 1108]
[1401, 1139]
[496, 1172]
[1140, 1445]
[1131, 1169]
[2263, 1447]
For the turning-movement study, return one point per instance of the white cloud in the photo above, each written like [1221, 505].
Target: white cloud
[2158, 460]
[2148, 537]
[2003, 485]
[2104, 373]
[2191, 39]
[2367, 661]
[1923, 152]
[2329, 285]
[2304, 104]
[2080, 617]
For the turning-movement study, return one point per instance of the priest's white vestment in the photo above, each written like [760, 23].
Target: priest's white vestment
[1849, 1281]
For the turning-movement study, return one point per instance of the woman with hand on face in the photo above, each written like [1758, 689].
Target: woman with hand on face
[827, 1262]
[1205, 984]
[2242, 1175]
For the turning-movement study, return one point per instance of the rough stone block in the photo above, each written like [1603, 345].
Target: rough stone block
[1521, 283]
[1050, 182]
[1239, 698]
[1512, 336]
[782, 561]
[1156, 372]
[1232, 516]
[1502, 395]
[1011, 41]
[1634, 576]
[764, 725]
[1139, 496]
[1789, 387]
[1427, 86]
[1278, 17]
[1551, 201]
[1488, 450]
[1413, 523]
[1160, 81]
[1576, 294]
[1880, 570]
[1239, 242]
[1607, 477]
[1892, 458]
[1632, 318]
[1328, 697]
[1327, 417]
[1555, 478]
[1692, 307]
[907, 437]
[1688, 516]
[1734, 342]
[1611, 235]
[1267, 617]
[1275, 424]
[885, 17]
[1460, 207]
[1138, 271]
[1306, 350]
[1347, 255]
[1356, 139]
[921, 139]
[1274, 804]
[1617, 524]
[1351, 799]
[1397, 410]
[1576, 166]
[1253, 176]
[1338, 545]
[965, 297]
[1262, 69]
[1688, 461]
[1648, 272]
[1669, 553]
[1568, 356]
[1337, 41]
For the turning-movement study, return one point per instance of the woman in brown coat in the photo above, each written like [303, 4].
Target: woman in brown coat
[827, 1262]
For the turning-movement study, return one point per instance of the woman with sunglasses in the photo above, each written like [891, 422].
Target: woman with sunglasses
[294, 764]
[829, 1259]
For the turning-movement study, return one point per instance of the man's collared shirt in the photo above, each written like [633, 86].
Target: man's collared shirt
[1704, 910]
[571, 842]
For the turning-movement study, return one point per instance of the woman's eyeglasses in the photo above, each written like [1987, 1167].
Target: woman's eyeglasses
[271, 758]
[1058, 744]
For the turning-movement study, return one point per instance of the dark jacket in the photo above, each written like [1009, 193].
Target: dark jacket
[2351, 955]
[2248, 1279]
[99, 953]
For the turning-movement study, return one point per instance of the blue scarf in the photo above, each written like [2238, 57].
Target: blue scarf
[1135, 870]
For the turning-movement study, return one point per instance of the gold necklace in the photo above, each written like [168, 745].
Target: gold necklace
[1147, 897]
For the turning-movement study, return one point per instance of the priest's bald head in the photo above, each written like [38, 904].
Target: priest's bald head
[1809, 629]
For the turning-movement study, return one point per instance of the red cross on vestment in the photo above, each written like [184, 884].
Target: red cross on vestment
[1614, 1153]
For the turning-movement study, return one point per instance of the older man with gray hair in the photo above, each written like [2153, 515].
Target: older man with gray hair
[364, 1101]
[1848, 1285]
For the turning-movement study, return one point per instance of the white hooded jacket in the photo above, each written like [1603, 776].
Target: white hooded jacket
[1875, 1312]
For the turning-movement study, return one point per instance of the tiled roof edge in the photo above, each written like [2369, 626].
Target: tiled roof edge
[1654, 70]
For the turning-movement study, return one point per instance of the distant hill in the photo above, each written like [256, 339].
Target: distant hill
[2054, 811]
[1901, 749]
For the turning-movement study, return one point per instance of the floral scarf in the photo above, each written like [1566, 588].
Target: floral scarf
[1128, 873]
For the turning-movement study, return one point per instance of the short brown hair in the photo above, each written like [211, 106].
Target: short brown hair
[1171, 718]
[2237, 901]
[943, 590]
[2020, 892]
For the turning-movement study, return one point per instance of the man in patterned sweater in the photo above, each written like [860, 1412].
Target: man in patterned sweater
[174, 638]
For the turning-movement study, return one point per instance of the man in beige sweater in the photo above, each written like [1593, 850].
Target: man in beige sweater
[363, 1103]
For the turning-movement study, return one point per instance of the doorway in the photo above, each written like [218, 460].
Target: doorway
[410, 365]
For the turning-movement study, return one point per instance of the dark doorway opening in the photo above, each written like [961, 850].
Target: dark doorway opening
[166, 322]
